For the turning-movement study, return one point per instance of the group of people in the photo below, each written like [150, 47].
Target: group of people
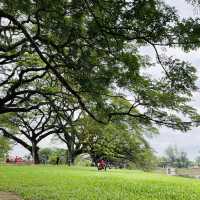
[16, 160]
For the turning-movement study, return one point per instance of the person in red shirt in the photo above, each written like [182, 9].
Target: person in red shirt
[101, 165]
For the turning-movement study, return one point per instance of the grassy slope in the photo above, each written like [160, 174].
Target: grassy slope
[62, 183]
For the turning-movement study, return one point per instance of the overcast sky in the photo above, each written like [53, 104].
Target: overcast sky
[190, 141]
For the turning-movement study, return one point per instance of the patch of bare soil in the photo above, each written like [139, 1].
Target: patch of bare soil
[8, 196]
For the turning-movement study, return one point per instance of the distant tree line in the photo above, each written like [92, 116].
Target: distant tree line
[177, 158]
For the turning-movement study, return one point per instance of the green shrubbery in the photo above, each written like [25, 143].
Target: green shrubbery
[5, 146]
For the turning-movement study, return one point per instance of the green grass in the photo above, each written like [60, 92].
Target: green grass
[63, 183]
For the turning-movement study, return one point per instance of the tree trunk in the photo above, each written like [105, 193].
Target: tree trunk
[94, 159]
[35, 154]
[70, 153]
[70, 157]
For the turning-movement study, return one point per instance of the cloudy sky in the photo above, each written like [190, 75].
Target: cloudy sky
[190, 141]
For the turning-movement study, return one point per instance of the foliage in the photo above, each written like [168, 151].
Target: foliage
[57, 57]
[83, 160]
[44, 155]
[120, 142]
[176, 158]
[194, 2]
[33, 126]
[91, 48]
[5, 146]
[58, 154]
[50, 155]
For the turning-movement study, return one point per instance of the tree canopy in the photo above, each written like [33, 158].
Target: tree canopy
[92, 49]
[84, 56]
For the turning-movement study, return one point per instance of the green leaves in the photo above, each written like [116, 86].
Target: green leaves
[188, 34]
[5, 146]
[91, 52]
[181, 76]
[6, 121]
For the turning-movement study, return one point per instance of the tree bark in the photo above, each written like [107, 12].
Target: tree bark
[70, 157]
[35, 153]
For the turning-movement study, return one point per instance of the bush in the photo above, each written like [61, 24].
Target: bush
[83, 160]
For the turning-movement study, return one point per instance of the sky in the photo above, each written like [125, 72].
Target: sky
[188, 142]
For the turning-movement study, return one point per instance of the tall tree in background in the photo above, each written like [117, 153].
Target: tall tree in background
[70, 130]
[121, 139]
[116, 142]
[92, 50]
[31, 128]
[176, 158]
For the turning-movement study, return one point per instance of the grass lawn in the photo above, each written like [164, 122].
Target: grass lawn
[63, 183]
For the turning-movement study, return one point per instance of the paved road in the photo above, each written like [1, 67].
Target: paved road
[8, 196]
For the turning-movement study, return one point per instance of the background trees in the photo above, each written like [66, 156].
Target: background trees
[83, 56]
[52, 156]
[175, 158]
[31, 128]
[121, 141]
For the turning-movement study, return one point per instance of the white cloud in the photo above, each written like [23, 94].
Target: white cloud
[184, 9]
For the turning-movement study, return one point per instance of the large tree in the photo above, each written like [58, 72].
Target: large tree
[122, 138]
[20, 74]
[68, 114]
[31, 128]
[91, 48]
[119, 141]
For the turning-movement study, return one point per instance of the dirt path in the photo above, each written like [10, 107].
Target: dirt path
[8, 196]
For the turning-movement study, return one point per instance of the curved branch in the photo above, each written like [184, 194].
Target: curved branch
[48, 65]
[13, 137]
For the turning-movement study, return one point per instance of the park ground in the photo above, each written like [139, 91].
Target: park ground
[64, 183]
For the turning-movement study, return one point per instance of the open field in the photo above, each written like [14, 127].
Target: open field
[63, 183]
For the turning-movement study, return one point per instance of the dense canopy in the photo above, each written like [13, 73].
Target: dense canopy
[84, 55]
